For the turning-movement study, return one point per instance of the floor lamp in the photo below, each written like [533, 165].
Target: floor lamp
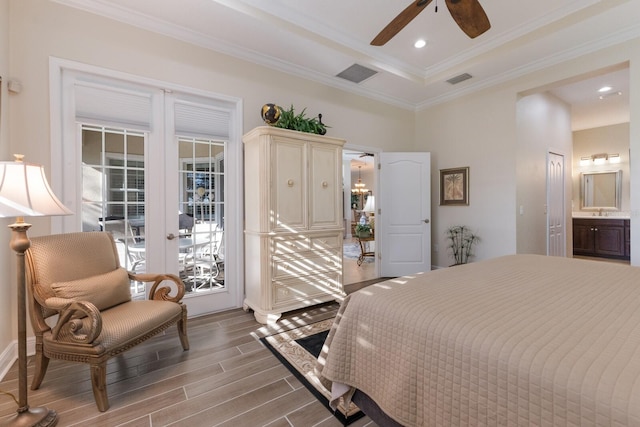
[24, 191]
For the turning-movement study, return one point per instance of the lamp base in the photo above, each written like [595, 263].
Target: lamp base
[33, 417]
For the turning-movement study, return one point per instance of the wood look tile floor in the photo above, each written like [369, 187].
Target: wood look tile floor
[227, 378]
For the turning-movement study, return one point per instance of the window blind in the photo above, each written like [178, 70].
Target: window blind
[96, 103]
[194, 119]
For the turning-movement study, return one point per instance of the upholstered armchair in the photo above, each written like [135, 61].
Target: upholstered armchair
[78, 277]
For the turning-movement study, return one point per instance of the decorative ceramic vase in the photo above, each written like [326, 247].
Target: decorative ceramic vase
[270, 113]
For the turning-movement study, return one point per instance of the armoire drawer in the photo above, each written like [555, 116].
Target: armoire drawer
[289, 244]
[326, 242]
[289, 291]
[305, 264]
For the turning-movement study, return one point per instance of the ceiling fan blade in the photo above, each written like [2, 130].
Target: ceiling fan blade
[399, 22]
[469, 16]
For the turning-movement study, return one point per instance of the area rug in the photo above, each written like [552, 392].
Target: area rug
[298, 350]
[352, 251]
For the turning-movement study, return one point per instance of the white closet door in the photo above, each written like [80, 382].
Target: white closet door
[556, 242]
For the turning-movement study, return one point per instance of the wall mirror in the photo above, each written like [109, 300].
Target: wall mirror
[601, 190]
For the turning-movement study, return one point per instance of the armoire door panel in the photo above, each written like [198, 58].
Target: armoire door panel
[324, 197]
[288, 186]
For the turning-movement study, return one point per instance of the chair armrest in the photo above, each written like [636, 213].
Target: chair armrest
[161, 293]
[71, 314]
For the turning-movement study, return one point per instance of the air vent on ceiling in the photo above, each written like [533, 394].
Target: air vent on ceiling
[460, 78]
[356, 73]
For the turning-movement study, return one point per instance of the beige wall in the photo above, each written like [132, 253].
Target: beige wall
[606, 139]
[483, 131]
[8, 325]
[478, 131]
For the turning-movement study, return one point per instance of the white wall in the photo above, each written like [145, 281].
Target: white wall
[605, 139]
[544, 125]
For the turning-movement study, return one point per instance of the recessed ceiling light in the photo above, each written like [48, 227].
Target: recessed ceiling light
[420, 44]
[604, 89]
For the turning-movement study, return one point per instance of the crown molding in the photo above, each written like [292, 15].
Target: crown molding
[381, 62]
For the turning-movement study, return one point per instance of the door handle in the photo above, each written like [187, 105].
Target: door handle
[171, 236]
[426, 220]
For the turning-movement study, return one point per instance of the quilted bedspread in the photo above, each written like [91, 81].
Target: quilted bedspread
[518, 340]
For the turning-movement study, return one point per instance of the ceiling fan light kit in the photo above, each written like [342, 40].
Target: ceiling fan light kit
[468, 14]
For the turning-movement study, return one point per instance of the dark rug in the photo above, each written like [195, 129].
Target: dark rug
[298, 349]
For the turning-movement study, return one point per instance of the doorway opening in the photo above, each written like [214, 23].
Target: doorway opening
[359, 194]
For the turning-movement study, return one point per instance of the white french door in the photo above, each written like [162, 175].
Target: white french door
[160, 169]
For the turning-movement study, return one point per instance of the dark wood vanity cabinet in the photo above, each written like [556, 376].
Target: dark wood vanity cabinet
[607, 238]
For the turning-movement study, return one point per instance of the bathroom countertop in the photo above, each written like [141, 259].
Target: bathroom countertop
[590, 215]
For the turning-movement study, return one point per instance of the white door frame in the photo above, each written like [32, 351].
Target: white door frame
[374, 187]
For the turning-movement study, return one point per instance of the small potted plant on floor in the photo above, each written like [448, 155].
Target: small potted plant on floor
[461, 241]
[363, 230]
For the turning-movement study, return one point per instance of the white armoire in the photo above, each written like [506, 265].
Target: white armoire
[293, 221]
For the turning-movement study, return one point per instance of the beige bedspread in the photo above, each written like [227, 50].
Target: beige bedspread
[517, 340]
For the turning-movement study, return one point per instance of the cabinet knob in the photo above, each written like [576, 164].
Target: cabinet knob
[290, 183]
[595, 229]
[325, 184]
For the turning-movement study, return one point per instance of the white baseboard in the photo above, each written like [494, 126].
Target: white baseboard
[10, 355]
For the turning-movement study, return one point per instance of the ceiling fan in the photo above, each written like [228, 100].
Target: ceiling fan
[468, 14]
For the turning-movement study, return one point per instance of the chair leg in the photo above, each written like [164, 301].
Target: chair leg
[182, 330]
[41, 365]
[99, 385]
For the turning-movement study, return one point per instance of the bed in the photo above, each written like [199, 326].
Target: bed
[516, 340]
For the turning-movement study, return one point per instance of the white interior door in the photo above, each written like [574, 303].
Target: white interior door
[556, 239]
[404, 214]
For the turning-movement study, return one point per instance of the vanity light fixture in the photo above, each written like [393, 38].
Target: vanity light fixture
[604, 89]
[600, 159]
[614, 158]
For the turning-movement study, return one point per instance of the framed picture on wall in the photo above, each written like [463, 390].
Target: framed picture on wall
[454, 186]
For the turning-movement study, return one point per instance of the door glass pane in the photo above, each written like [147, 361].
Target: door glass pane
[113, 197]
[201, 214]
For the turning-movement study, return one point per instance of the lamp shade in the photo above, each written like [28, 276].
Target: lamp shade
[24, 191]
[370, 206]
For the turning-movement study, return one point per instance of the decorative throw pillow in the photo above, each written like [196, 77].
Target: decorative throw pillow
[103, 291]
